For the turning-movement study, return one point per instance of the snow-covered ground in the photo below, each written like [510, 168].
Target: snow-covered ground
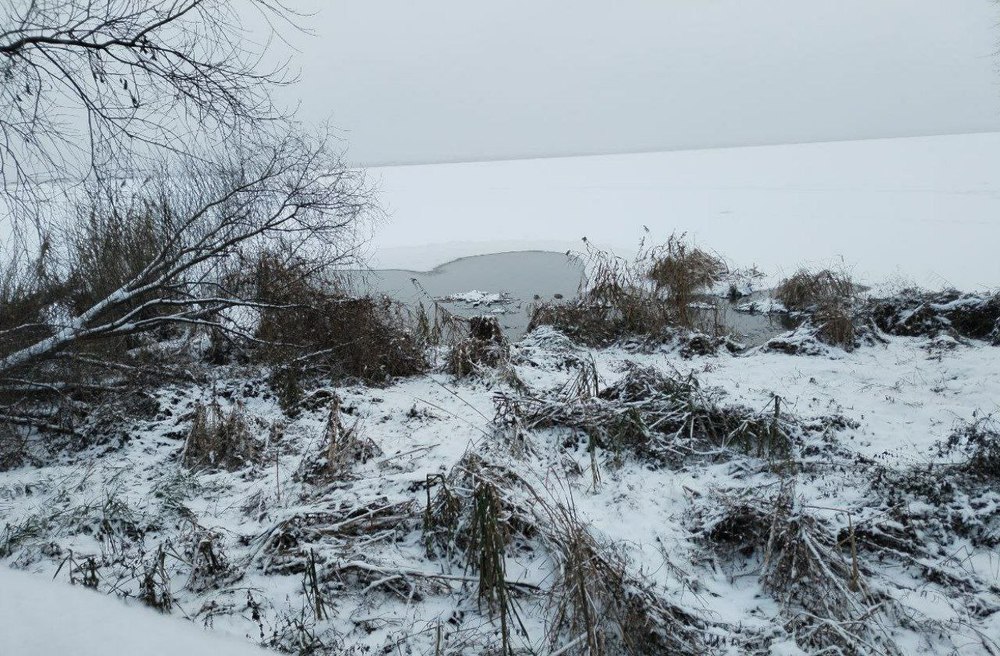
[926, 209]
[237, 551]
[42, 618]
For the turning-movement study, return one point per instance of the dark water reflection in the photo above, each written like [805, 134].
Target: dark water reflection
[523, 277]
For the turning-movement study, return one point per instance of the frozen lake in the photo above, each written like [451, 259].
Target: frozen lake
[511, 282]
[922, 211]
[520, 277]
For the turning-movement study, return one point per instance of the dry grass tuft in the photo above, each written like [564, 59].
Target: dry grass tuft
[220, 440]
[648, 297]
[343, 447]
[806, 291]
[485, 347]
[472, 515]
[154, 586]
[449, 516]
[588, 323]
[835, 326]
[599, 607]
[828, 604]
[489, 536]
[681, 270]
[828, 298]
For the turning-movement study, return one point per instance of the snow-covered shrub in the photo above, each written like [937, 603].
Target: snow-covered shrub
[914, 312]
[978, 442]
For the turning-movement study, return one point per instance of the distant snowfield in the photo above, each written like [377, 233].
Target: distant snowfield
[912, 210]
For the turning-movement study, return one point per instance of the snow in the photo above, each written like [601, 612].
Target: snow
[892, 211]
[475, 297]
[913, 210]
[42, 618]
[905, 396]
[767, 305]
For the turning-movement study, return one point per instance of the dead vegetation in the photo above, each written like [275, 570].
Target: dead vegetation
[489, 537]
[116, 524]
[140, 270]
[485, 513]
[815, 575]
[914, 313]
[805, 290]
[342, 447]
[221, 440]
[598, 605]
[826, 300]
[679, 271]
[154, 586]
[834, 325]
[835, 317]
[308, 327]
[468, 512]
[978, 444]
[485, 347]
[13, 447]
[648, 297]
[657, 418]
[209, 567]
[284, 546]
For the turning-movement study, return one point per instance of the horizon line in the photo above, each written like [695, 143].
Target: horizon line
[649, 151]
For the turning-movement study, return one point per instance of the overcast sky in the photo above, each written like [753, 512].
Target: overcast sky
[457, 80]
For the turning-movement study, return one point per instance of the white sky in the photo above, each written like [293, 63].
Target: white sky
[447, 80]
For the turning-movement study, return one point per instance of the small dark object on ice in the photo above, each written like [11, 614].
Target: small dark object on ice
[486, 329]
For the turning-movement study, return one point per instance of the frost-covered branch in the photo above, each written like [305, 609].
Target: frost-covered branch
[91, 89]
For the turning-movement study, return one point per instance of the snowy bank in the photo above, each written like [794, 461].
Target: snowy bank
[42, 618]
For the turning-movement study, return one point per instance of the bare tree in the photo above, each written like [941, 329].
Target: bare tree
[90, 88]
[184, 176]
[170, 256]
